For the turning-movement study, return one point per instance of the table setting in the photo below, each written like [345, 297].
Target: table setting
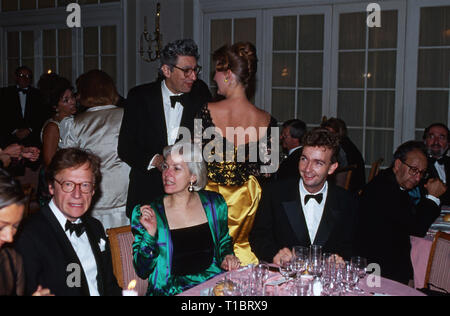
[309, 272]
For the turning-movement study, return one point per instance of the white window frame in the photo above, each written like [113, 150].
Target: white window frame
[400, 6]
[106, 14]
[411, 69]
[268, 51]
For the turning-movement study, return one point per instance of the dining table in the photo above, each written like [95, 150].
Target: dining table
[369, 285]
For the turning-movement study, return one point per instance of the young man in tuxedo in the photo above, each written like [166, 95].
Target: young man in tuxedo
[63, 248]
[388, 216]
[436, 139]
[308, 211]
[291, 137]
[153, 115]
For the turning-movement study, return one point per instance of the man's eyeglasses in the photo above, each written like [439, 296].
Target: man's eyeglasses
[188, 71]
[69, 186]
[413, 171]
[24, 76]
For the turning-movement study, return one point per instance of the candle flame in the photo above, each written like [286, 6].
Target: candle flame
[132, 285]
[49, 71]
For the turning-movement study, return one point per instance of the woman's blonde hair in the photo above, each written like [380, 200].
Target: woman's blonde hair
[192, 156]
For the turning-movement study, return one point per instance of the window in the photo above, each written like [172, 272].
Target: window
[433, 68]
[17, 5]
[50, 45]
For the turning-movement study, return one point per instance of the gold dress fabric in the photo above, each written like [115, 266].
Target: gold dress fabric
[238, 181]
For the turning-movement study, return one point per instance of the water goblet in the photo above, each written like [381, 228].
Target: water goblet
[359, 265]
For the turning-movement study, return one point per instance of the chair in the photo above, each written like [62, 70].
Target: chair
[121, 240]
[28, 191]
[375, 169]
[344, 176]
[437, 277]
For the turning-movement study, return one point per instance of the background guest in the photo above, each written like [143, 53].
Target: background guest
[153, 114]
[12, 205]
[63, 248]
[388, 216]
[352, 155]
[97, 130]
[58, 93]
[291, 136]
[436, 139]
[182, 238]
[22, 111]
[237, 179]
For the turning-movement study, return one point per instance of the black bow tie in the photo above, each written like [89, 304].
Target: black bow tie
[25, 91]
[176, 98]
[317, 197]
[79, 229]
[439, 161]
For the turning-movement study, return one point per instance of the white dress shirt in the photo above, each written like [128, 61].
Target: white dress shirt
[23, 102]
[313, 211]
[293, 149]
[82, 248]
[172, 115]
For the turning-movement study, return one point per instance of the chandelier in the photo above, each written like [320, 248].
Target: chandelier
[146, 41]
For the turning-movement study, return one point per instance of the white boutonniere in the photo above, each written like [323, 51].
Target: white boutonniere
[102, 245]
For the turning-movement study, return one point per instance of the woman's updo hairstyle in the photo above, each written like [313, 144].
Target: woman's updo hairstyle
[240, 59]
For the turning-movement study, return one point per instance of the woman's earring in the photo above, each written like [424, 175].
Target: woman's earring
[226, 80]
[191, 187]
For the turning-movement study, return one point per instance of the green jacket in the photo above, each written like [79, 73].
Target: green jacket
[152, 256]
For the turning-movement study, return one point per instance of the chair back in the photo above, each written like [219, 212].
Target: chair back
[375, 169]
[437, 277]
[28, 191]
[121, 242]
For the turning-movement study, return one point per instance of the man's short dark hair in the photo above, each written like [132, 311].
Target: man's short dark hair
[427, 130]
[321, 137]
[405, 148]
[171, 52]
[297, 128]
[73, 158]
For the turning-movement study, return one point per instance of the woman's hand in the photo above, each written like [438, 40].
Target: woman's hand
[31, 153]
[42, 292]
[148, 219]
[230, 262]
[13, 150]
[5, 159]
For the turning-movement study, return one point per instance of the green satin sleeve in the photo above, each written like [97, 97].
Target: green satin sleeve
[145, 247]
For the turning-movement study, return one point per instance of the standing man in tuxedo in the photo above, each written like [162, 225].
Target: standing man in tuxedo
[308, 211]
[436, 139]
[153, 114]
[22, 111]
[63, 248]
[291, 137]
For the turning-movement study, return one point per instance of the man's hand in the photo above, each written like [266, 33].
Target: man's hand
[23, 133]
[435, 187]
[158, 162]
[31, 153]
[284, 253]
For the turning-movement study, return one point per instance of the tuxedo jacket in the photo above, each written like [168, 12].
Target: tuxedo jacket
[387, 219]
[12, 118]
[49, 256]
[445, 198]
[289, 167]
[280, 222]
[143, 134]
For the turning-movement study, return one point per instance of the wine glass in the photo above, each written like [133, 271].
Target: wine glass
[300, 257]
[286, 268]
[359, 265]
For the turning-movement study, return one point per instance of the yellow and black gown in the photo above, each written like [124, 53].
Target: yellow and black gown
[237, 180]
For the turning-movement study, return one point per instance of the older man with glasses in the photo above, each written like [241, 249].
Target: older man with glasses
[153, 116]
[63, 248]
[388, 216]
